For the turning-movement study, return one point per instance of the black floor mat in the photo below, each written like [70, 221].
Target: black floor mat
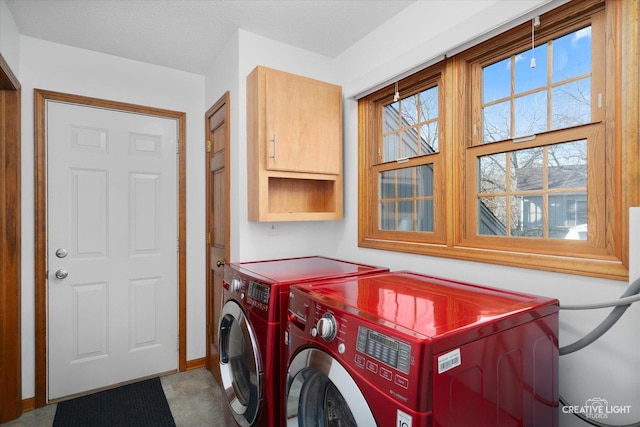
[133, 405]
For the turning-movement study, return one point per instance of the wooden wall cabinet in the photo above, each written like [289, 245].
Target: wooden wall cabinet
[294, 147]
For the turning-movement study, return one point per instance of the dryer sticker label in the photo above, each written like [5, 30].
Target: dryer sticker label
[449, 361]
[403, 419]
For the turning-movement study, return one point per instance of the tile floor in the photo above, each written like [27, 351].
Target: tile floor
[195, 399]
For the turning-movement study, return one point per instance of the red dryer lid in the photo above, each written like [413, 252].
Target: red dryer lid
[303, 269]
[433, 307]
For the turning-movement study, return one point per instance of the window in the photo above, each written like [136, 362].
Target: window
[406, 189]
[510, 154]
[408, 163]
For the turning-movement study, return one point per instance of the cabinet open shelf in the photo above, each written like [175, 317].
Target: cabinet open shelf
[291, 195]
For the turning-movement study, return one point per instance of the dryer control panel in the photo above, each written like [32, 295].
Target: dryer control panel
[252, 294]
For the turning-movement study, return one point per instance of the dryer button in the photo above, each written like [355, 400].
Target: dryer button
[341, 348]
[386, 374]
[401, 381]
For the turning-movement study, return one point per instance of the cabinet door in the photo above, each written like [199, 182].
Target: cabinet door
[303, 124]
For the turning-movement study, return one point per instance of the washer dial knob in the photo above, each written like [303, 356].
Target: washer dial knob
[236, 285]
[327, 327]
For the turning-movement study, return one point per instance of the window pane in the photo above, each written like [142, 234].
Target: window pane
[429, 138]
[387, 185]
[405, 216]
[405, 182]
[492, 216]
[409, 106]
[527, 78]
[405, 199]
[429, 104]
[572, 55]
[496, 81]
[411, 126]
[388, 216]
[530, 114]
[568, 216]
[496, 122]
[567, 165]
[533, 173]
[410, 143]
[425, 215]
[526, 169]
[391, 147]
[391, 117]
[571, 104]
[528, 98]
[492, 173]
[527, 216]
[424, 181]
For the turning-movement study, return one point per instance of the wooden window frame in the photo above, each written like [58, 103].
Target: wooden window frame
[613, 146]
[408, 88]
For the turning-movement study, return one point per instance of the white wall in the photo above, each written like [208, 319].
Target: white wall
[51, 66]
[9, 38]
[610, 368]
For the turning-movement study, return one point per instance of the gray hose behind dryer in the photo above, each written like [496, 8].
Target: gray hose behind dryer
[605, 325]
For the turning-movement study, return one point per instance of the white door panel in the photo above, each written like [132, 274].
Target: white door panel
[112, 205]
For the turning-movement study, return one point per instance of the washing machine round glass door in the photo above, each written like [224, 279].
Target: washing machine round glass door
[321, 392]
[240, 365]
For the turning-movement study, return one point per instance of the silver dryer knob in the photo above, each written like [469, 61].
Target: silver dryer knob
[236, 285]
[327, 327]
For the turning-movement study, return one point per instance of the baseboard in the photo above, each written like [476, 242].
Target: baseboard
[195, 363]
[28, 404]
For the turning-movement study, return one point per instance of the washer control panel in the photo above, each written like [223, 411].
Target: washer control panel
[388, 359]
[254, 295]
[389, 351]
[259, 292]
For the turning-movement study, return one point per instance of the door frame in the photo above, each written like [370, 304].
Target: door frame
[40, 182]
[223, 102]
[10, 246]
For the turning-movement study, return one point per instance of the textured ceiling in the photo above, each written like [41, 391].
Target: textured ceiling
[189, 34]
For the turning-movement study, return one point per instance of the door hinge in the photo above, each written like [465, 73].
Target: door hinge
[208, 238]
[208, 146]
[208, 330]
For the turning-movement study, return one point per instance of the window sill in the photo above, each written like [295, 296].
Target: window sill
[608, 268]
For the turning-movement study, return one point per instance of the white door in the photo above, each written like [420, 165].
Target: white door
[113, 231]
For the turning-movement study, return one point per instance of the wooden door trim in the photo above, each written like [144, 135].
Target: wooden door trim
[10, 246]
[223, 102]
[40, 179]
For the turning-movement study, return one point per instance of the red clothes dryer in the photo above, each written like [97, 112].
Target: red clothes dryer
[404, 349]
[253, 355]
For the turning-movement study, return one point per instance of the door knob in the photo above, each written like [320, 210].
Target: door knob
[220, 263]
[61, 253]
[62, 274]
